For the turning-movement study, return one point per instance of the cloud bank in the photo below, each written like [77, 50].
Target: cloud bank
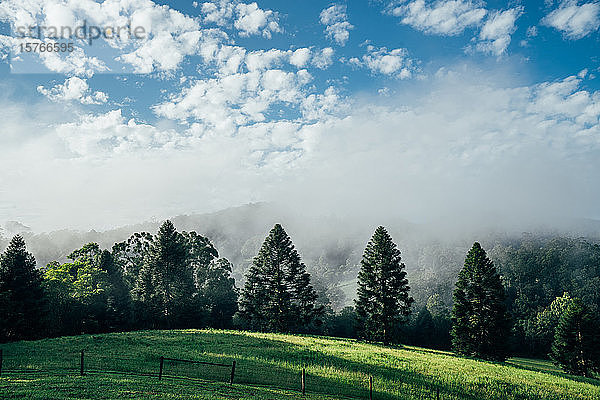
[461, 147]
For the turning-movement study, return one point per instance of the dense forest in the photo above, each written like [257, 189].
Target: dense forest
[539, 287]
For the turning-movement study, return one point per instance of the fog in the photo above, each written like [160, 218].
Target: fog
[461, 155]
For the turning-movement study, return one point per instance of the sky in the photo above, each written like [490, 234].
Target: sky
[422, 110]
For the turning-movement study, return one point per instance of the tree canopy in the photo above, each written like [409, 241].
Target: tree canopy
[481, 323]
[278, 295]
[21, 295]
[383, 293]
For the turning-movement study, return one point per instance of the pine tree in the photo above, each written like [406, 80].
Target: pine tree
[576, 346]
[424, 329]
[481, 325]
[165, 284]
[21, 293]
[383, 293]
[277, 295]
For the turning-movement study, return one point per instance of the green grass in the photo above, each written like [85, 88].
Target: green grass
[268, 367]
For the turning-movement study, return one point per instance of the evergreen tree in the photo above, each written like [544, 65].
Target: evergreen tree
[165, 284]
[576, 346]
[277, 295]
[442, 323]
[383, 293]
[481, 324]
[21, 293]
[424, 329]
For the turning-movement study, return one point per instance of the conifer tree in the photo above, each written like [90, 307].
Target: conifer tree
[21, 293]
[165, 285]
[383, 293]
[481, 325]
[277, 295]
[576, 346]
[424, 329]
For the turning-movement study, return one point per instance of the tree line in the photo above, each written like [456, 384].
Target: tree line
[174, 280]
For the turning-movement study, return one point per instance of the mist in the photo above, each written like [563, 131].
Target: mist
[461, 152]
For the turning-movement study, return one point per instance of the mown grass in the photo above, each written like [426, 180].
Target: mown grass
[268, 367]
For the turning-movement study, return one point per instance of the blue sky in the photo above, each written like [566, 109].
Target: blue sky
[227, 102]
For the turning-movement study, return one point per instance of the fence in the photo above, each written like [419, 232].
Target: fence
[357, 386]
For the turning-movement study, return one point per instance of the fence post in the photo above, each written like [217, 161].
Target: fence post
[162, 360]
[303, 381]
[370, 388]
[81, 364]
[0, 362]
[232, 372]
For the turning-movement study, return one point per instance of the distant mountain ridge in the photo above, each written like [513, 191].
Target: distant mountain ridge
[330, 246]
[232, 230]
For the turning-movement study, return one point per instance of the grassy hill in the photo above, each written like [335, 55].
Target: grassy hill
[268, 367]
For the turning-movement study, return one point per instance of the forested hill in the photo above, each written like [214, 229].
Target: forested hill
[331, 247]
[236, 232]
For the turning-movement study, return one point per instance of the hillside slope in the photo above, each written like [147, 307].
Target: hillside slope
[268, 367]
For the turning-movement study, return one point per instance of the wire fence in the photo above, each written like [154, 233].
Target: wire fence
[326, 380]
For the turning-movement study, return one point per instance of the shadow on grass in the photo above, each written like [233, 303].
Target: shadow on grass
[271, 361]
[559, 374]
[278, 363]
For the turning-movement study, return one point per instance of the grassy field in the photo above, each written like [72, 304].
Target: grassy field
[268, 367]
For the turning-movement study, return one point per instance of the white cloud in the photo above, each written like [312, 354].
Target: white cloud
[495, 35]
[526, 149]
[152, 56]
[532, 31]
[394, 62]
[440, 17]
[223, 104]
[266, 59]
[253, 126]
[336, 22]
[164, 28]
[300, 57]
[566, 100]
[74, 89]
[323, 58]
[252, 20]
[573, 20]
[320, 106]
[170, 36]
[75, 63]
[99, 136]
[218, 12]
[430, 148]
[453, 17]
[248, 19]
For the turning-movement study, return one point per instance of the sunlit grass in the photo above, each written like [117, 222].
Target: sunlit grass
[338, 367]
